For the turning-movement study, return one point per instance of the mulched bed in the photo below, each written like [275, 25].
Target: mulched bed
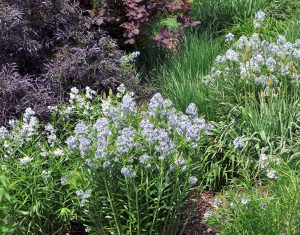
[196, 225]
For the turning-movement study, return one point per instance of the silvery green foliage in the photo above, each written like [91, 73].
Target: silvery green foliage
[255, 61]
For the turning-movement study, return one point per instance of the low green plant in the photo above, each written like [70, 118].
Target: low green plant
[35, 165]
[6, 206]
[271, 206]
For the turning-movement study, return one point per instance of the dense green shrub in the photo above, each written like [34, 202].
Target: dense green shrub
[46, 48]
[240, 95]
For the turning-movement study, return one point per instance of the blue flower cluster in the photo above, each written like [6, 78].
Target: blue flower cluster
[265, 63]
[130, 137]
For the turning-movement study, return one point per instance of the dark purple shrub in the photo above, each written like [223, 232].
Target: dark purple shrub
[47, 47]
[19, 91]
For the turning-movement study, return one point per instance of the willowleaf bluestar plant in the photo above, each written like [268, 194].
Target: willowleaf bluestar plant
[258, 63]
[123, 151]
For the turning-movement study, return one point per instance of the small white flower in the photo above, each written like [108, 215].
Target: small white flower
[89, 94]
[58, 152]
[238, 143]
[121, 90]
[231, 55]
[83, 195]
[281, 40]
[106, 164]
[217, 203]
[25, 160]
[135, 54]
[29, 113]
[245, 201]
[144, 159]
[220, 59]
[128, 171]
[74, 90]
[229, 37]
[46, 174]
[260, 16]
[207, 214]
[272, 174]
[256, 24]
[3, 132]
[63, 180]
[192, 110]
[193, 180]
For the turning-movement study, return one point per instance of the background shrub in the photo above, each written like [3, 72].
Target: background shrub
[131, 20]
[49, 47]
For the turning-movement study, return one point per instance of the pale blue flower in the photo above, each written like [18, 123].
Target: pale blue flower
[144, 158]
[81, 128]
[125, 140]
[106, 164]
[192, 110]
[263, 205]
[128, 171]
[193, 180]
[72, 143]
[135, 54]
[229, 37]
[281, 40]
[128, 104]
[63, 180]
[238, 143]
[260, 16]
[3, 132]
[231, 55]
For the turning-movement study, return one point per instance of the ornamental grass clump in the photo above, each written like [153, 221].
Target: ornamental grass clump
[118, 167]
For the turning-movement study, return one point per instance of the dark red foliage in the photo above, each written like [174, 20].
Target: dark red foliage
[169, 38]
[126, 20]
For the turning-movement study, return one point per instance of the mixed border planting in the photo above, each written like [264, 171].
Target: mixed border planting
[150, 117]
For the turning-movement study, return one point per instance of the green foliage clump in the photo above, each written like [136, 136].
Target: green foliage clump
[270, 207]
